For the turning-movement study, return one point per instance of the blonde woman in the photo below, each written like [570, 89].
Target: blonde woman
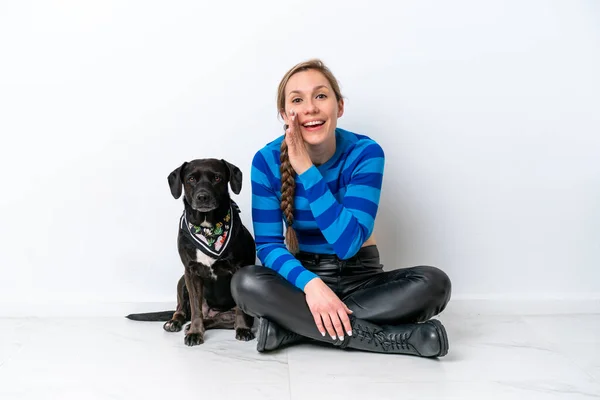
[327, 284]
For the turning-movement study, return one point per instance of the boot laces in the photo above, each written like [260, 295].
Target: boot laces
[288, 336]
[387, 341]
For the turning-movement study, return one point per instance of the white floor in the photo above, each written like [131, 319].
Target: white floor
[491, 357]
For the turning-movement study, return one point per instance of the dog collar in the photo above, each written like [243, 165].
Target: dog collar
[211, 241]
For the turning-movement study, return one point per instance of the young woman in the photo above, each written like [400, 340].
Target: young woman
[327, 284]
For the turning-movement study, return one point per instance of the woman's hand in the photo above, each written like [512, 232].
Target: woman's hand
[329, 312]
[299, 158]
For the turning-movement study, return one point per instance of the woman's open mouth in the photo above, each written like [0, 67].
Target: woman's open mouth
[313, 125]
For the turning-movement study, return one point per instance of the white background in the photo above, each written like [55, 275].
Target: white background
[489, 114]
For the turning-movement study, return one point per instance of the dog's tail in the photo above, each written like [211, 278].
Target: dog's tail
[152, 316]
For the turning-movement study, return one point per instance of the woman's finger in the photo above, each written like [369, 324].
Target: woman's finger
[295, 129]
[290, 138]
[319, 323]
[296, 122]
[345, 320]
[337, 324]
[329, 325]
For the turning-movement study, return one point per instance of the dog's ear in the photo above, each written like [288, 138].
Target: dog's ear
[235, 177]
[175, 182]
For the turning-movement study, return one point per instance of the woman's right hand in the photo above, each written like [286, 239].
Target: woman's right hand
[329, 312]
[297, 153]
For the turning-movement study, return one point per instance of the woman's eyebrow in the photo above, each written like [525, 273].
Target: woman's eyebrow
[314, 89]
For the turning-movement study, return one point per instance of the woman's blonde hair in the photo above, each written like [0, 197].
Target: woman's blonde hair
[288, 182]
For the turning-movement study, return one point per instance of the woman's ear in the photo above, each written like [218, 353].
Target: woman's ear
[340, 108]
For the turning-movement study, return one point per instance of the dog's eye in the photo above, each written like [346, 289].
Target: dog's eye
[217, 178]
[191, 179]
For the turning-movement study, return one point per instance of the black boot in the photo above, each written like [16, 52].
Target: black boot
[270, 336]
[427, 339]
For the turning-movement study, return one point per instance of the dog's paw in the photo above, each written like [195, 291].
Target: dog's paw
[244, 334]
[172, 326]
[194, 339]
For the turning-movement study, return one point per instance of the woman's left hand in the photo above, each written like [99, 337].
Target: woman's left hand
[298, 155]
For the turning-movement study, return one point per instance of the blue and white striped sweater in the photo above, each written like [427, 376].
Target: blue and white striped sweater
[334, 207]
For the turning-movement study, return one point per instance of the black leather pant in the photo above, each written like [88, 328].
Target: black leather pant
[383, 297]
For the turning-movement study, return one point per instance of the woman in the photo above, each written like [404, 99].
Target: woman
[324, 183]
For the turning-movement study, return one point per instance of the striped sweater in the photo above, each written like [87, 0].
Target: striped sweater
[334, 207]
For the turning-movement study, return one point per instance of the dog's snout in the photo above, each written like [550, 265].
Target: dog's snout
[202, 197]
[204, 200]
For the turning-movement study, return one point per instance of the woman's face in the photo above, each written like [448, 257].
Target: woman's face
[310, 96]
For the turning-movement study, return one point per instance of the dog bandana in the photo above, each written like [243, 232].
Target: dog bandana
[214, 240]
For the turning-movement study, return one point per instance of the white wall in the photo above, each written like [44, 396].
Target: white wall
[489, 115]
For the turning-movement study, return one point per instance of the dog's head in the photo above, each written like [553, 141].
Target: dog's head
[204, 182]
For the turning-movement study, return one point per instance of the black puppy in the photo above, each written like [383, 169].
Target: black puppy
[213, 244]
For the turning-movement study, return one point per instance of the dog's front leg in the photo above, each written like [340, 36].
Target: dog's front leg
[194, 335]
[242, 325]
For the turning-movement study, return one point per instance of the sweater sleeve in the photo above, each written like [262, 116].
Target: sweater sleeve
[267, 220]
[348, 225]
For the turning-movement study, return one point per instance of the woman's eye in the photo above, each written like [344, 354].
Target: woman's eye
[321, 96]
[296, 100]
[217, 178]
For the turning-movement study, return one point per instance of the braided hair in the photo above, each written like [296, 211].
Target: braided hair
[288, 190]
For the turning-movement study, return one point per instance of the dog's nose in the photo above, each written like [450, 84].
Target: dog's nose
[202, 197]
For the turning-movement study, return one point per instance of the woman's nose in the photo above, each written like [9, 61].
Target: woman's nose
[310, 107]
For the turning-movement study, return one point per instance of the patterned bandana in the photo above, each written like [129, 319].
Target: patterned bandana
[211, 241]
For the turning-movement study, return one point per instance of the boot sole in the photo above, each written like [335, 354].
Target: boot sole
[261, 335]
[443, 337]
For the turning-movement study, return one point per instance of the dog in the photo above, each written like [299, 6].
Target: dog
[213, 244]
